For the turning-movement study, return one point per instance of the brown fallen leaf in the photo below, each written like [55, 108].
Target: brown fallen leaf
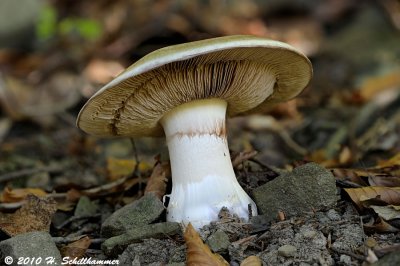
[118, 168]
[157, 182]
[384, 174]
[197, 252]
[380, 226]
[251, 261]
[395, 160]
[332, 155]
[348, 175]
[388, 213]
[15, 195]
[34, 215]
[389, 195]
[374, 85]
[76, 249]
[384, 181]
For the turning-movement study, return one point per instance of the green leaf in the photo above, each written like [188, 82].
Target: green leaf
[46, 25]
[86, 28]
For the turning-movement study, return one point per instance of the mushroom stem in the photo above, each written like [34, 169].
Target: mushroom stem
[202, 173]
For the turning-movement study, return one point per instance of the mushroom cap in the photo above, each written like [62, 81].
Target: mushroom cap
[250, 73]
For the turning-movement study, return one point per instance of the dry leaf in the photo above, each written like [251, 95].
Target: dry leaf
[385, 174]
[372, 86]
[157, 182]
[251, 261]
[34, 215]
[384, 181]
[197, 252]
[76, 249]
[349, 175]
[390, 195]
[73, 195]
[342, 156]
[15, 195]
[381, 226]
[118, 168]
[395, 160]
[320, 156]
[388, 213]
[68, 202]
[345, 156]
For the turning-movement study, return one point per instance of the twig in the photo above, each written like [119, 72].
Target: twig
[26, 172]
[241, 157]
[135, 153]
[88, 192]
[136, 169]
[11, 206]
[76, 218]
[108, 186]
[291, 143]
[349, 253]
[66, 240]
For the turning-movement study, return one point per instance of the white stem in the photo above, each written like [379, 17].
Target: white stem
[202, 174]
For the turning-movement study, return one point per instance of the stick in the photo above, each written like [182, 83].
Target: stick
[25, 172]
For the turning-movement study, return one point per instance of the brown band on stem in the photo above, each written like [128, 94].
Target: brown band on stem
[219, 130]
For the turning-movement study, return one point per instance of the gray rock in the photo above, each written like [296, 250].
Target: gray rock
[389, 259]
[140, 212]
[117, 244]
[150, 251]
[38, 245]
[178, 255]
[306, 188]
[348, 237]
[219, 241]
[86, 207]
[287, 251]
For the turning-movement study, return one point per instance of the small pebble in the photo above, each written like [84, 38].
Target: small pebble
[219, 241]
[287, 251]
[333, 215]
[309, 234]
[345, 259]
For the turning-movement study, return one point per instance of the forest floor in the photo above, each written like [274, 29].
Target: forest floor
[65, 186]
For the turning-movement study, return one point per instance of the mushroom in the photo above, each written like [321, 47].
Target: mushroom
[184, 92]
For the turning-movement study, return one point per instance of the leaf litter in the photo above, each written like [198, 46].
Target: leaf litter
[347, 121]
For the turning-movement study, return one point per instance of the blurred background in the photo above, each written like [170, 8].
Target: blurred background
[55, 54]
